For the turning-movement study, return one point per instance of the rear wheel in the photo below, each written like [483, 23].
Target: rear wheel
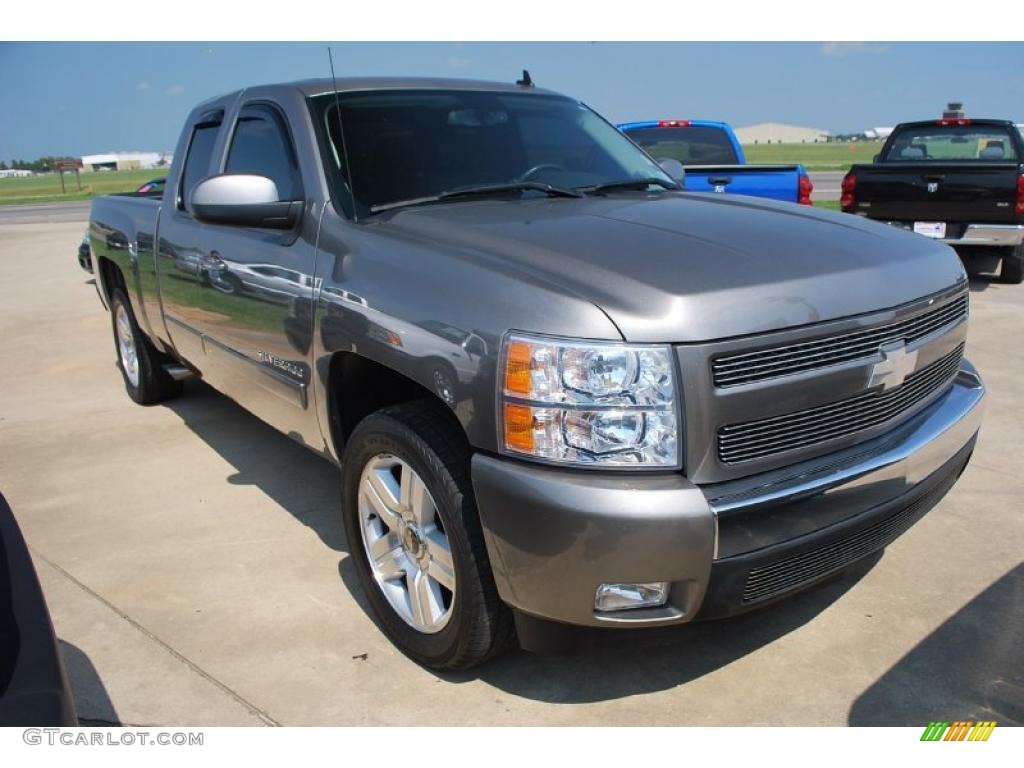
[141, 364]
[1012, 269]
[415, 538]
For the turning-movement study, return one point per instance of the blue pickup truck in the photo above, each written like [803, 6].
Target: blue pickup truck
[714, 160]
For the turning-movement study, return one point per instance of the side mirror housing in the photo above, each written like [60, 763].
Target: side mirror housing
[674, 169]
[243, 200]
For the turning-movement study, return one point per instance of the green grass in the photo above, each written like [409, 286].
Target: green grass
[832, 205]
[814, 157]
[46, 189]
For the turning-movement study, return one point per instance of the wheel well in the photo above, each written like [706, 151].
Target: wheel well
[110, 277]
[359, 386]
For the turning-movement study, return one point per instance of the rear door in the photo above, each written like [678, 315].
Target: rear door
[256, 305]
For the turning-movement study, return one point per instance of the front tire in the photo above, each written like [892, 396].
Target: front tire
[140, 363]
[1012, 269]
[415, 538]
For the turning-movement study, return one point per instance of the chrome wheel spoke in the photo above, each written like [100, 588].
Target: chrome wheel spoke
[424, 600]
[416, 499]
[442, 568]
[388, 556]
[409, 554]
[382, 498]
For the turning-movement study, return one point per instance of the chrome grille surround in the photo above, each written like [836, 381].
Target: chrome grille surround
[747, 441]
[749, 367]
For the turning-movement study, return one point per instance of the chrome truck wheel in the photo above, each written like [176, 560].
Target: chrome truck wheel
[415, 540]
[405, 543]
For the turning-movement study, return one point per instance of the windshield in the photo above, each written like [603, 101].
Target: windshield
[690, 145]
[417, 144]
[945, 143]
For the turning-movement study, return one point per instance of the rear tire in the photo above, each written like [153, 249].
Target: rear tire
[140, 363]
[454, 621]
[1012, 269]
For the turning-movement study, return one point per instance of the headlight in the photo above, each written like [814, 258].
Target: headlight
[589, 403]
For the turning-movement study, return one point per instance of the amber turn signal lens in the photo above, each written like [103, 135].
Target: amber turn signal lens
[517, 368]
[519, 427]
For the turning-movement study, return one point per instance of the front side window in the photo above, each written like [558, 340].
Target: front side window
[690, 145]
[261, 145]
[409, 145]
[197, 161]
[945, 143]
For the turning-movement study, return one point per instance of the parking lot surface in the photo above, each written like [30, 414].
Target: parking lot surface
[197, 572]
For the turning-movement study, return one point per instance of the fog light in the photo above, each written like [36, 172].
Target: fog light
[622, 597]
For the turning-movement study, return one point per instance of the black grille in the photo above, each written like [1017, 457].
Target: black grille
[733, 370]
[791, 572]
[757, 439]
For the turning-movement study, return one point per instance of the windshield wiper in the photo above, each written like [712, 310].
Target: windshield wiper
[627, 184]
[482, 189]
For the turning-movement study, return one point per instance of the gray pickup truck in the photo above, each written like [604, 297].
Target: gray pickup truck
[561, 390]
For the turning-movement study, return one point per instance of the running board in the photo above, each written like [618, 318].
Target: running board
[178, 372]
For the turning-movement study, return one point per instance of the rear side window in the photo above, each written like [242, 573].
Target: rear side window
[691, 145]
[944, 143]
[197, 162]
[261, 145]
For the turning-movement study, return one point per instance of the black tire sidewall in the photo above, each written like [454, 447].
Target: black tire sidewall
[379, 434]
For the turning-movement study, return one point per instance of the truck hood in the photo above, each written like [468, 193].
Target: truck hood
[685, 267]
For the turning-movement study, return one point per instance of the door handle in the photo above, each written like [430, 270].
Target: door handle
[719, 181]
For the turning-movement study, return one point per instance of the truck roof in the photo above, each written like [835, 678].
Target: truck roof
[321, 86]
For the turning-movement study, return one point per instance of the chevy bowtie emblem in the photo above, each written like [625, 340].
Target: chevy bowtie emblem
[895, 366]
[933, 186]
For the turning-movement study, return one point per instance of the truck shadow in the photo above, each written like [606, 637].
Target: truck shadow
[613, 664]
[603, 664]
[970, 668]
[298, 480]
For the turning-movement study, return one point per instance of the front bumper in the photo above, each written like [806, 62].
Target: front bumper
[554, 535]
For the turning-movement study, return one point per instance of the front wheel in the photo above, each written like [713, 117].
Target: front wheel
[415, 538]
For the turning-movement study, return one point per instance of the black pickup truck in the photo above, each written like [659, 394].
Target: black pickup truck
[957, 180]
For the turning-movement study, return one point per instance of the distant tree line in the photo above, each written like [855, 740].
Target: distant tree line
[47, 163]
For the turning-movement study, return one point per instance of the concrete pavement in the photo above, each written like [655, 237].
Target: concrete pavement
[197, 571]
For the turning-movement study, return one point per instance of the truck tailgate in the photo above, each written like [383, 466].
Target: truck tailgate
[778, 182]
[961, 192]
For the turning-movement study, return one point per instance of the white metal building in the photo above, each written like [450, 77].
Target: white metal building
[123, 161]
[780, 133]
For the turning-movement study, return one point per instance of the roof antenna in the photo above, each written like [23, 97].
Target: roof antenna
[347, 175]
[526, 82]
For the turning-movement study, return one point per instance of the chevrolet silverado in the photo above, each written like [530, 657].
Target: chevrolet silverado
[560, 389]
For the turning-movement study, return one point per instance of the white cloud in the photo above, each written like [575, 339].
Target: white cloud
[174, 90]
[839, 49]
[143, 86]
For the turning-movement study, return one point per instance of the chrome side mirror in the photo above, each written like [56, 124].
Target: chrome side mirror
[243, 200]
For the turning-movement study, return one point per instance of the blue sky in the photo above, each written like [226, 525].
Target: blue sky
[78, 98]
